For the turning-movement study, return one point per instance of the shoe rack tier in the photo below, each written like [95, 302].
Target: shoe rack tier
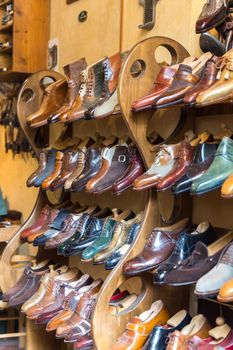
[130, 88]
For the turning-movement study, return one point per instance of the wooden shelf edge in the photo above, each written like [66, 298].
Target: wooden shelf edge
[13, 335]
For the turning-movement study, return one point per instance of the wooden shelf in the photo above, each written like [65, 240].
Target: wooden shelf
[13, 335]
[5, 3]
[6, 233]
[7, 28]
[11, 76]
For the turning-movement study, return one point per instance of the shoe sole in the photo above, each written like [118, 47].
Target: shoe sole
[180, 284]
[225, 300]
[203, 192]
[211, 27]
[208, 294]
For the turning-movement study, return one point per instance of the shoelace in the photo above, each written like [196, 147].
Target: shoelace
[160, 152]
[89, 84]
[69, 223]
[82, 89]
[225, 62]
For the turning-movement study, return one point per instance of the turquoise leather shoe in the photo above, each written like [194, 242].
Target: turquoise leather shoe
[101, 242]
[219, 170]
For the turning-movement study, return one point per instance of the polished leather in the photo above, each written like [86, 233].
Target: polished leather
[135, 169]
[111, 68]
[162, 165]
[118, 167]
[53, 99]
[204, 156]
[93, 90]
[162, 82]
[39, 170]
[221, 91]
[69, 164]
[158, 248]
[84, 343]
[208, 78]
[102, 241]
[78, 169]
[159, 336]
[91, 168]
[72, 71]
[194, 267]
[111, 261]
[56, 171]
[109, 107]
[227, 187]
[211, 282]
[43, 220]
[183, 82]
[180, 168]
[219, 170]
[106, 160]
[183, 249]
[212, 14]
[211, 344]
[48, 169]
[137, 331]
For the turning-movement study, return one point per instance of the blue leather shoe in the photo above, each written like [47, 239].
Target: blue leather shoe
[48, 170]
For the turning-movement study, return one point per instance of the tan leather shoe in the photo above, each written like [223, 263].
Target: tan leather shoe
[57, 170]
[43, 284]
[225, 294]
[199, 326]
[138, 330]
[227, 187]
[222, 90]
[54, 98]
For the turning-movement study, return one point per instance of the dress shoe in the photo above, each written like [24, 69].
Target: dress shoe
[29, 269]
[186, 77]
[51, 159]
[180, 167]
[160, 334]
[211, 344]
[53, 99]
[84, 343]
[91, 168]
[210, 43]
[79, 323]
[161, 84]
[204, 156]
[210, 283]
[56, 171]
[212, 14]
[208, 78]
[157, 249]
[90, 92]
[43, 220]
[72, 71]
[69, 164]
[113, 260]
[183, 249]
[202, 260]
[162, 165]
[221, 91]
[135, 169]
[39, 170]
[78, 169]
[199, 326]
[118, 167]
[106, 105]
[219, 170]
[138, 330]
[227, 188]
[225, 294]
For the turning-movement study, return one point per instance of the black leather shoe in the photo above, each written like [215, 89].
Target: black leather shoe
[91, 168]
[209, 43]
[203, 158]
[113, 260]
[184, 248]
[159, 336]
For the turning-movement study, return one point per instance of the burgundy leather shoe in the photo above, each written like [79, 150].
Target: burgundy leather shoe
[181, 166]
[157, 249]
[84, 343]
[210, 343]
[162, 82]
[46, 216]
[208, 78]
[213, 13]
[135, 169]
[41, 167]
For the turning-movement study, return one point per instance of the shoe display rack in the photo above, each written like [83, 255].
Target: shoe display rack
[158, 208]
[20, 53]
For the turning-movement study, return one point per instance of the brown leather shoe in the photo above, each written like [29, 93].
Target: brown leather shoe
[186, 77]
[56, 172]
[181, 165]
[53, 99]
[72, 71]
[158, 248]
[213, 13]
[84, 343]
[208, 78]
[91, 90]
[39, 170]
